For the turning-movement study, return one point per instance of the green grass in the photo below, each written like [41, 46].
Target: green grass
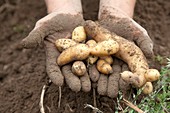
[159, 100]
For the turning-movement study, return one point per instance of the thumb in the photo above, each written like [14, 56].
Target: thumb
[143, 40]
[43, 28]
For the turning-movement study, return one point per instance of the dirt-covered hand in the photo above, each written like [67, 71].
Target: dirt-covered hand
[47, 30]
[116, 21]
[121, 24]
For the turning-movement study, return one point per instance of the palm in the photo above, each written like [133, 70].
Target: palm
[47, 30]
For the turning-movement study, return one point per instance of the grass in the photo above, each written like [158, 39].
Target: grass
[159, 100]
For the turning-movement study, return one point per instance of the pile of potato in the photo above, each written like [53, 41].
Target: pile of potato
[99, 51]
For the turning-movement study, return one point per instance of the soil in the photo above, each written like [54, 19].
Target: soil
[22, 72]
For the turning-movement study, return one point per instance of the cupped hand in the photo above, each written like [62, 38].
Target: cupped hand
[118, 22]
[46, 31]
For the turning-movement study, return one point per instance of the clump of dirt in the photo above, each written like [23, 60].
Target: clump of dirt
[22, 72]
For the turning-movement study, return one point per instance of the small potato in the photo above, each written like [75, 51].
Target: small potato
[108, 59]
[78, 68]
[91, 59]
[148, 88]
[104, 67]
[91, 43]
[133, 78]
[77, 52]
[63, 44]
[78, 34]
[152, 75]
[105, 48]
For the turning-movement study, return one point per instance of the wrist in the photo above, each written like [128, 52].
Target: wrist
[125, 7]
[64, 6]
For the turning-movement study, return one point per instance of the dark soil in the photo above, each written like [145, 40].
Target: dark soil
[22, 72]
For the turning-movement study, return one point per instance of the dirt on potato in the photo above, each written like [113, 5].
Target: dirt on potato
[23, 74]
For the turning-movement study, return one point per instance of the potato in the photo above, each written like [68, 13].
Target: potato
[63, 44]
[104, 67]
[128, 52]
[77, 52]
[78, 68]
[91, 43]
[78, 34]
[152, 75]
[91, 59]
[133, 78]
[96, 32]
[105, 48]
[108, 59]
[147, 88]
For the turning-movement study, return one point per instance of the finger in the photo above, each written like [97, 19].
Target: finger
[49, 25]
[93, 73]
[85, 82]
[113, 82]
[53, 70]
[102, 84]
[72, 80]
[124, 86]
[129, 29]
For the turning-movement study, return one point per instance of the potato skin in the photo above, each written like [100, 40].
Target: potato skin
[132, 78]
[96, 32]
[77, 52]
[108, 59]
[105, 48]
[91, 43]
[152, 75]
[78, 68]
[78, 34]
[104, 67]
[91, 59]
[148, 88]
[63, 44]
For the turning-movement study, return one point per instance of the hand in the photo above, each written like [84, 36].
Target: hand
[118, 22]
[47, 30]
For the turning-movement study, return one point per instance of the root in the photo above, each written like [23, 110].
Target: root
[42, 99]
[59, 98]
[94, 99]
[93, 108]
[132, 106]
[41, 105]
